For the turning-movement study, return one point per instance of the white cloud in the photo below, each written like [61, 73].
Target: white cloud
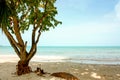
[114, 16]
[117, 10]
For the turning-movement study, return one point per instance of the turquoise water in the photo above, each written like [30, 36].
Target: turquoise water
[99, 55]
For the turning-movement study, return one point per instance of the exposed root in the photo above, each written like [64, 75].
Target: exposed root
[23, 68]
[65, 75]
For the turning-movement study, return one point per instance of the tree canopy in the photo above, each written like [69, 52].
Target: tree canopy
[38, 13]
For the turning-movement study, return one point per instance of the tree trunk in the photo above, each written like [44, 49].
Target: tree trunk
[23, 67]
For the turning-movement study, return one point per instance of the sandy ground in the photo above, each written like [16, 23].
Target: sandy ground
[82, 71]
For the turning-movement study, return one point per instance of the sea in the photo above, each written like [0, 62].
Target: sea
[77, 54]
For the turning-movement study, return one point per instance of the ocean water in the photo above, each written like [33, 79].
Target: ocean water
[91, 55]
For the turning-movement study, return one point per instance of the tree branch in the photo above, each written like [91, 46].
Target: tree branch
[35, 28]
[32, 52]
[24, 53]
[33, 39]
[12, 41]
[39, 33]
[44, 15]
[17, 31]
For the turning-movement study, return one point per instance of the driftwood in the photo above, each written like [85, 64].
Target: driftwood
[65, 75]
[39, 71]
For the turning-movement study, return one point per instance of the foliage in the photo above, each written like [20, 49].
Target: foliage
[5, 13]
[38, 13]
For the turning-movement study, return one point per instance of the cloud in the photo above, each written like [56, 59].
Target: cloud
[117, 10]
[113, 16]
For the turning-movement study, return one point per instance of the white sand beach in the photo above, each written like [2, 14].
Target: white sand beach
[81, 71]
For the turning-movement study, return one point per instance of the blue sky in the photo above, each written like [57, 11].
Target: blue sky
[84, 23]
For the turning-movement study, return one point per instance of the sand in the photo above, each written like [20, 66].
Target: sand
[82, 71]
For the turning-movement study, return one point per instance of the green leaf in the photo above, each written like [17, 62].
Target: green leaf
[29, 12]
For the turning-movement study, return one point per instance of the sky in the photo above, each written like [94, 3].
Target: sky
[84, 23]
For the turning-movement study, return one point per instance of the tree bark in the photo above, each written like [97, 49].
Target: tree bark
[23, 68]
[12, 41]
[23, 64]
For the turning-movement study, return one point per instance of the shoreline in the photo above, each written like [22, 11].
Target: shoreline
[36, 58]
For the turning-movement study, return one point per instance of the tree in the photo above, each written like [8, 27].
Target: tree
[16, 16]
